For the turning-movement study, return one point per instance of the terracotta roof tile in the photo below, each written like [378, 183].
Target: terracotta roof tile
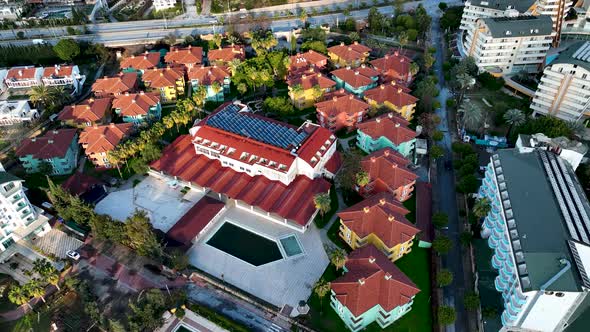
[21, 73]
[79, 183]
[391, 126]
[136, 103]
[53, 144]
[388, 169]
[57, 71]
[226, 54]
[309, 79]
[303, 61]
[350, 52]
[195, 220]
[162, 77]
[357, 77]
[208, 75]
[348, 104]
[334, 164]
[337, 93]
[394, 67]
[185, 56]
[372, 280]
[393, 93]
[381, 215]
[90, 110]
[97, 139]
[125, 82]
[147, 60]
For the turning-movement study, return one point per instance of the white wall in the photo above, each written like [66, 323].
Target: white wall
[548, 311]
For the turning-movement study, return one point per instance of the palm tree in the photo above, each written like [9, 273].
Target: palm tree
[473, 116]
[233, 65]
[242, 88]
[514, 117]
[303, 17]
[465, 82]
[414, 68]
[321, 288]
[354, 36]
[318, 92]
[168, 122]
[233, 40]
[200, 96]
[217, 88]
[482, 207]
[217, 38]
[322, 202]
[362, 178]
[41, 95]
[19, 296]
[35, 289]
[297, 90]
[60, 95]
[402, 39]
[114, 158]
[338, 258]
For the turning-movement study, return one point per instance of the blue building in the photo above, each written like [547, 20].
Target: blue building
[55, 152]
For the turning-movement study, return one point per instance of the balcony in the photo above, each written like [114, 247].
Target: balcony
[15, 198]
[500, 284]
[492, 242]
[496, 262]
[506, 320]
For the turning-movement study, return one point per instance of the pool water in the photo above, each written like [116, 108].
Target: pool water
[181, 328]
[291, 246]
[245, 245]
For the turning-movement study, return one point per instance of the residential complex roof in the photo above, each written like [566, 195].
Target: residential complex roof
[136, 104]
[97, 139]
[80, 183]
[53, 144]
[8, 177]
[519, 26]
[195, 220]
[381, 215]
[347, 104]
[372, 280]
[186, 56]
[90, 110]
[309, 79]
[521, 6]
[147, 60]
[388, 170]
[207, 75]
[334, 164]
[124, 82]
[21, 73]
[294, 202]
[227, 54]
[303, 61]
[356, 77]
[391, 126]
[162, 77]
[354, 51]
[57, 71]
[393, 66]
[392, 93]
[577, 54]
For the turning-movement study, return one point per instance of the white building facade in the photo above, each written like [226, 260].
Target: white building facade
[164, 4]
[63, 76]
[16, 111]
[564, 89]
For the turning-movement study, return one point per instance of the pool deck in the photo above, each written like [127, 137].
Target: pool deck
[165, 205]
[283, 282]
[191, 321]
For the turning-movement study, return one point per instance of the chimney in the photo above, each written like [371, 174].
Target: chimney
[366, 209]
[382, 87]
[382, 201]
[34, 139]
[349, 48]
[371, 259]
[387, 276]
[390, 115]
[378, 120]
[350, 97]
[396, 53]
[20, 72]
[356, 72]
[55, 132]
[334, 98]
[390, 218]
[373, 159]
[399, 90]
[111, 125]
[91, 100]
[386, 153]
[141, 93]
[397, 125]
[341, 43]
[394, 166]
[362, 281]
[386, 56]
[50, 141]
[127, 93]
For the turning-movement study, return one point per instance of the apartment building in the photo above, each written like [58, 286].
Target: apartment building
[571, 151]
[564, 89]
[169, 82]
[66, 76]
[23, 77]
[138, 108]
[344, 112]
[504, 45]
[188, 57]
[476, 9]
[388, 172]
[539, 229]
[87, 113]
[16, 111]
[215, 79]
[18, 217]
[98, 141]
[386, 131]
[307, 87]
[57, 148]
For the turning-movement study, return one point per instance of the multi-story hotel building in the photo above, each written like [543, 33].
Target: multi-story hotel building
[504, 45]
[539, 229]
[564, 90]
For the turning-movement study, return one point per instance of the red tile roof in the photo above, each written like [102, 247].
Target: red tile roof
[337, 105]
[393, 66]
[303, 61]
[147, 60]
[309, 79]
[136, 104]
[185, 56]
[350, 52]
[391, 126]
[372, 280]
[21, 73]
[97, 139]
[207, 75]
[79, 183]
[57, 71]
[90, 110]
[382, 215]
[336, 93]
[195, 220]
[226, 54]
[334, 164]
[162, 77]
[388, 169]
[392, 93]
[424, 213]
[294, 202]
[54, 143]
[125, 82]
[356, 77]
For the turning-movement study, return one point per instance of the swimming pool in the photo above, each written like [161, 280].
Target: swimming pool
[291, 246]
[245, 245]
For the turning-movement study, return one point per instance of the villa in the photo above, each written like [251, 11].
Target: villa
[16, 111]
[215, 79]
[66, 76]
[58, 148]
[138, 108]
[357, 80]
[308, 87]
[352, 55]
[141, 63]
[90, 189]
[113, 86]
[380, 221]
[386, 131]
[388, 172]
[88, 113]
[188, 57]
[343, 112]
[98, 141]
[302, 62]
[168, 81]
[223, 56]
[393, 96]
[395, 68]
[372, 289]
[23, 77]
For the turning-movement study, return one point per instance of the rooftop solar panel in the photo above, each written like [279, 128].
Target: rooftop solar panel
[230, 119]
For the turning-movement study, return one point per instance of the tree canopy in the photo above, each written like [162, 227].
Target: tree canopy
[279, 105]
[67, 49]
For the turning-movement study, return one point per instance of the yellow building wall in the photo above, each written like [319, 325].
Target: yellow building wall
[336, 60]
[305, 100]
[394, 253]
[406, 112]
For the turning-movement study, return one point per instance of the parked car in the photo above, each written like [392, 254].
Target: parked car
[73, 255]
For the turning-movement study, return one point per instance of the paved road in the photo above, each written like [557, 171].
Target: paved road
[444, 191]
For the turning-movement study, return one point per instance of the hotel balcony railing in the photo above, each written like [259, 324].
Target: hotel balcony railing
[16, 198]
[502, 256]
[518, 298]
[503, 246]
[506, 320]
[492, 242]
[489, 223]
[500, 284]
[506, 276]
[496, 262]
[515, 303]
[512, 314]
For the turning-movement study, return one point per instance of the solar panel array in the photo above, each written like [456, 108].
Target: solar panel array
[230, 119]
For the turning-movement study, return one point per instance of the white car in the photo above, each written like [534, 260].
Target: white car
[73, 254]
